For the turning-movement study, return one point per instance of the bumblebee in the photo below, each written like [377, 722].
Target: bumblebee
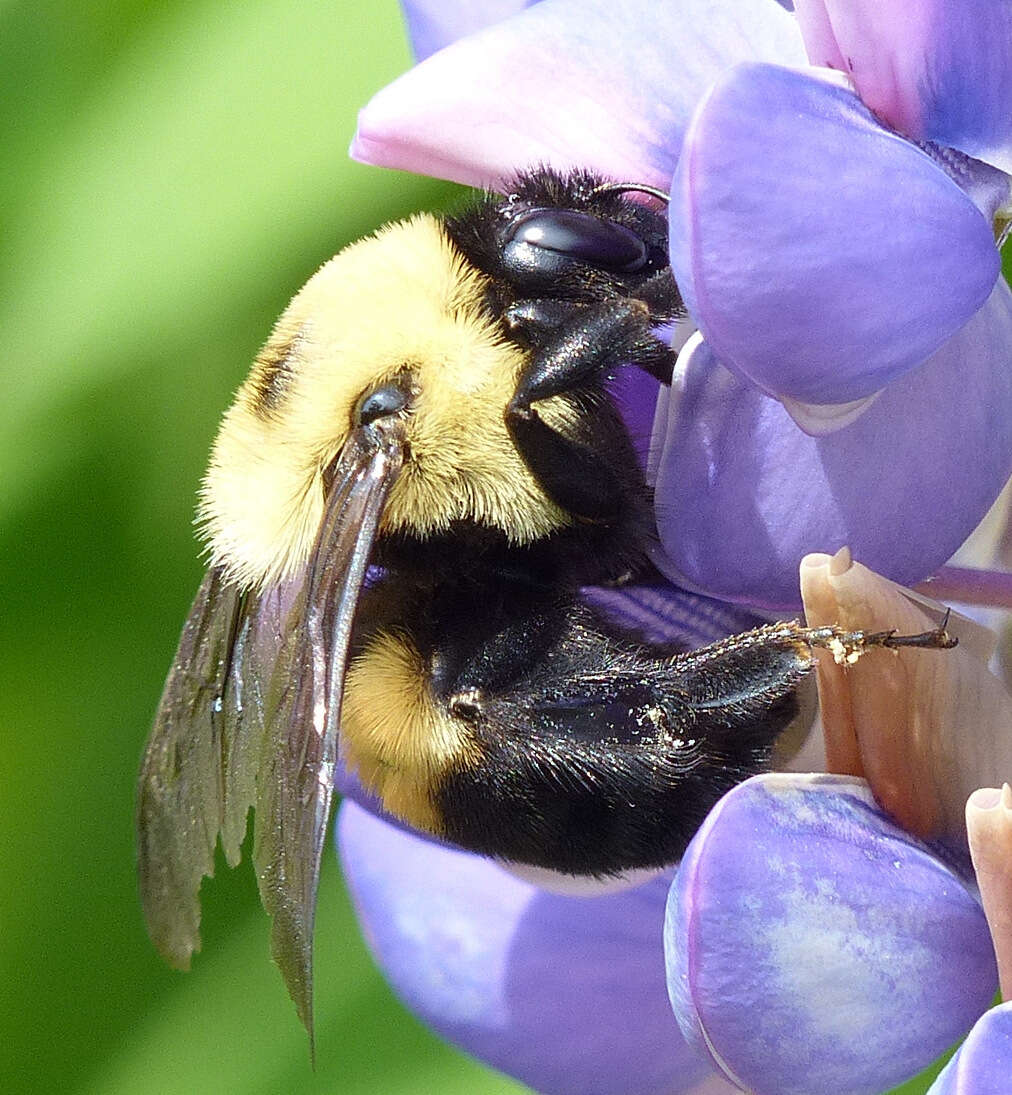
[420, 473]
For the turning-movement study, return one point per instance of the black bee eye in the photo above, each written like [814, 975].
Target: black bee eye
[580, 236]
[380, 402]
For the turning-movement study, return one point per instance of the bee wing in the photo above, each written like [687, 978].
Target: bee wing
[303, 701]
[197, 774]
[249, 717]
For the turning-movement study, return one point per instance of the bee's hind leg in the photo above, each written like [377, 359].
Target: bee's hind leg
[847, 646]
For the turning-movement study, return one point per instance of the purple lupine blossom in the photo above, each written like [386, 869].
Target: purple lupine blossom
[835, 270]
[838, 955]
[565, 993]
[850, 384]
[776, 191]
[983, 1063]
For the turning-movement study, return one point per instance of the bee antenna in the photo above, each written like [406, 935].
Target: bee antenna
[621, 188]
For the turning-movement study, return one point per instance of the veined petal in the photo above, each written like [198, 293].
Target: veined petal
[565, 993]
[742, 494]
[570, 83]
[836, 955]
[433, 24]
[933, 69]
[983, 1064]
[821, 255]
[662, 613]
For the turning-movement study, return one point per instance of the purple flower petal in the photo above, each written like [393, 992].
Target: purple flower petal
[983, 1065]
[821, 255]
[818, 419]
[433, 24]
[569, 83]
[836, 955]
[635, 394]
[933, 69]
[743, 494]
[662, 613]
[565, 993]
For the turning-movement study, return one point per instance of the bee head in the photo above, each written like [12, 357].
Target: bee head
[394, 325]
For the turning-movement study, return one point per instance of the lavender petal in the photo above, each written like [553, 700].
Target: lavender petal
[565, 993]
[983, 1063]
[821, 255]
[742, 494]
[838, 955]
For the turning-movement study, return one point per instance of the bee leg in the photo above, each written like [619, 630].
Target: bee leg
[572, 472]
[847, 646]
[539, 322]
[582, 474]
[606, 756]
[590, 344]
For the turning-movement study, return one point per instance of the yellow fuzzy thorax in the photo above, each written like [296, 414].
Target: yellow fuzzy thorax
[401, 302]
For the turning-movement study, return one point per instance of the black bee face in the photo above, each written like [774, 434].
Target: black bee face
[572, 241]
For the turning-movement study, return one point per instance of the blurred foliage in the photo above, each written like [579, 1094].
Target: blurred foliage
[173, 172]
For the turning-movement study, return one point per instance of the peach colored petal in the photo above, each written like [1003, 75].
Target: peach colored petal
[989, 825]
[842, 753]
[928, 726]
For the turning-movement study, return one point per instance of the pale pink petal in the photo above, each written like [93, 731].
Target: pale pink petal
[925, 727]
[989, 824]
[570, 83]
[936, 70]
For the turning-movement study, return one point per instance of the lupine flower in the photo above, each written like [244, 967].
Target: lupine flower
[826, 259]
[838, 955]
[849, 384]
[864, 941]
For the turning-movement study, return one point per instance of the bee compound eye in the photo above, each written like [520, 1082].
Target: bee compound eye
[380, 403]
[580, 236]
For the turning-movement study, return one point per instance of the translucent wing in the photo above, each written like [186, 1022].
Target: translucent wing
[302, 705]
[197, 775]
[249, 717]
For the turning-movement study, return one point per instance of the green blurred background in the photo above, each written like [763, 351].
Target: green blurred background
[171, 173]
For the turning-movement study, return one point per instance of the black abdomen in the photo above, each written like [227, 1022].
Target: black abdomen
[589, 753]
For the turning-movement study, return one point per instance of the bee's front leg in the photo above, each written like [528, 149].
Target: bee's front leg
[580, 473]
